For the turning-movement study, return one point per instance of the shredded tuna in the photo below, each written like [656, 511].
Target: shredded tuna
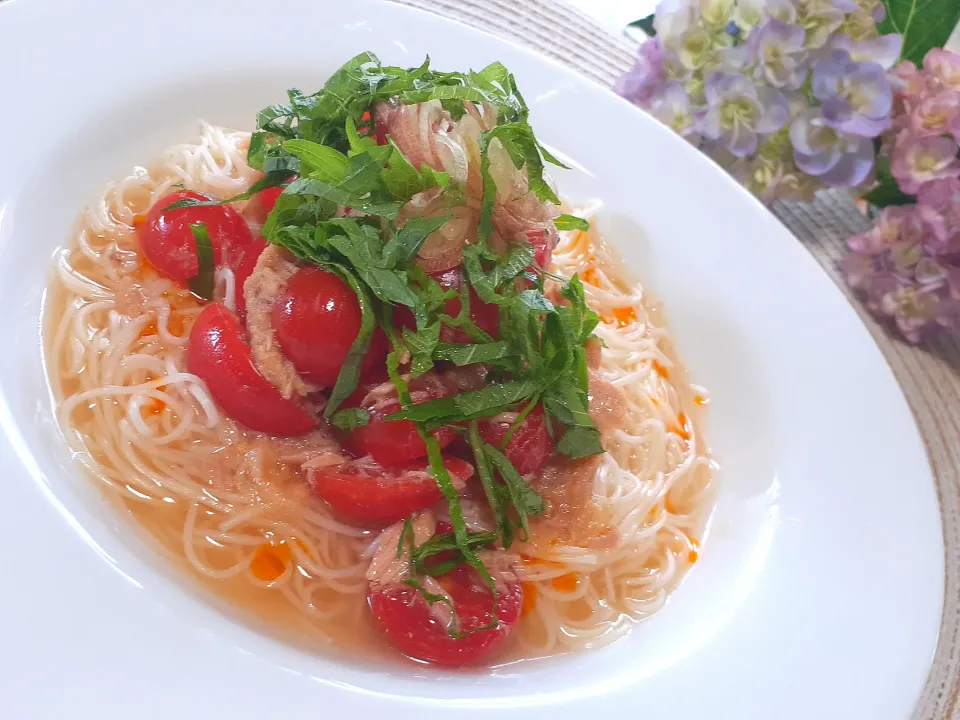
[323, 460]
[302, 449]
[572, 515]
[594, 350]
[608, 404]
[390, 563]
[501, 565]
[274, 269]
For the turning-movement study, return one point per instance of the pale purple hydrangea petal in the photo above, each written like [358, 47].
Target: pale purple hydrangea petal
[883, 50]
[820, 18]
[854, 165]
[775, 110]
[879, 12]
[672, 108]
[815, 146]
[844, 6]
[750, 13]
[838, 160]
[737, 112]
[646, 77]
[673, 18]
[856, 97]
[777, 49]
[742, 140]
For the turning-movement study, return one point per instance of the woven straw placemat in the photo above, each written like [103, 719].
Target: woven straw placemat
[928, 374]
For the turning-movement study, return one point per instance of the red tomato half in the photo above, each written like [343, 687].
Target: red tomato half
[530, 446]
[405, 618]
[396, 442]
[316, 319]
[218, 353]
[259, 206]
[170, 246]
[485, 315]
[368, 493]
[244, 270]
[543, 242]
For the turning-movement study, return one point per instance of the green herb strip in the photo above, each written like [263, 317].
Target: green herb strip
[433, 598]
[445, 543]
[571, 222]
[455, 510]
[350, 418]
[526, 501]
[491, 400]
[518, 422]
[406, 534]
[496, 352]
[270, 180]
[493, 491]
[349, 376]
[202, 284]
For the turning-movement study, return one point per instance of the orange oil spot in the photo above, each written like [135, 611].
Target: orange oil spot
[530, 560]
[529, 598]
[700, 400]
[661, 370]
[270, 561]
[590, 277]
[566, 583]
[694, 552]
[155, 406]
[624, 316]
[149, 329]
[176, 325]
[139, 220]
[683, 428]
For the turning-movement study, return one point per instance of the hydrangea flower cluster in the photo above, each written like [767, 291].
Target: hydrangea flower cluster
[907, 266]
[788, 95]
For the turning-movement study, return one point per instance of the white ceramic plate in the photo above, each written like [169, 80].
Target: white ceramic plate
[818, 593]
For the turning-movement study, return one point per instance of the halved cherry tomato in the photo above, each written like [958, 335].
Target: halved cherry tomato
[530, 446]
[218, 353]
[543, 241]
[485, 315]
[170, 246]
[316, 318]
[396, 442]
[244, 270]
[370, 494]
[405, 618]
[259, 206]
